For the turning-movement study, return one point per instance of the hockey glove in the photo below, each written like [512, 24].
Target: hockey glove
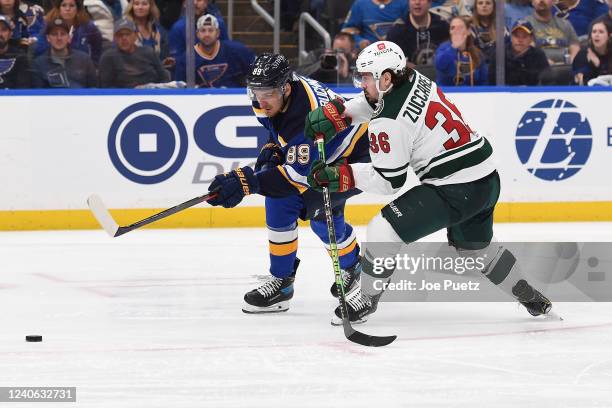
[270, 156]
[233, 186]
[326, 120]
[338, 177]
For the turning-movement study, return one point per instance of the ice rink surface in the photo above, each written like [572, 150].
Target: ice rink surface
[153, 319]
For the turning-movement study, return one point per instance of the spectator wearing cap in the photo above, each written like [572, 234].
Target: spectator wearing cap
[12, 10]
[554, 35]
[596, 58]
[524, 62]
[104, 14]
[370, 20]
[419, 33]
[145, 14]
[61, 66]
[176, 37]
[14, 69]
[84, 35]
[219, 64]
[458, 61]
[128, 66]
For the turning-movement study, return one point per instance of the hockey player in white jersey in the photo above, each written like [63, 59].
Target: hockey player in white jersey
[413, 124]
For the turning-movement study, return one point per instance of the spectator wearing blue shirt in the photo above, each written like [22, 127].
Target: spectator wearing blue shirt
[370, 20]
[515, 10]
[459, 61]
[176, 37]
[607, 17]
[84, 35]
[580, 13]
[219, 64]
[21, 34]
[35, 18]
[145, 14]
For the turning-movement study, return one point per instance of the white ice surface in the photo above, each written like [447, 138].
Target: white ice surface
[153, 319]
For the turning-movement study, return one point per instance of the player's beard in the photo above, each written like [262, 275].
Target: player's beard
[369, 97]
[3, 44]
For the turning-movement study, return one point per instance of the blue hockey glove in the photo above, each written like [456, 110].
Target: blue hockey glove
[270, 156]
[233, 186]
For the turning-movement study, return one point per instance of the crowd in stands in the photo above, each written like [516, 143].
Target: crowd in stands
[141, 43]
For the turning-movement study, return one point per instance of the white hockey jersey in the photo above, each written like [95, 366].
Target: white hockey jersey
[418, 127]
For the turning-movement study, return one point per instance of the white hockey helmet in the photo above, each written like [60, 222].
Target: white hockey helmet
[378, 57]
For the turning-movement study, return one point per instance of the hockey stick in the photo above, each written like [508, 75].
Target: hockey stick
[350, 333]
[106, 220]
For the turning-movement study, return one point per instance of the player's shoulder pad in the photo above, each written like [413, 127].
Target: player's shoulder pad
[318, 93]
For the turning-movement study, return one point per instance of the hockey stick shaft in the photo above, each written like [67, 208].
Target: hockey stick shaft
[110, 225]
[349, 332]
[333, 246]
[168, 212]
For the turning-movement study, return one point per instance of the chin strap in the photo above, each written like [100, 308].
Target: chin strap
[381, 94]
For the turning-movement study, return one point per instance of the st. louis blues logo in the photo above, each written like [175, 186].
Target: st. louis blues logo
[209, 74]
[6, 65]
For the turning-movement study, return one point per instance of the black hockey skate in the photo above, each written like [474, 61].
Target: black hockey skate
[536, 303]
[350, 278]
[359, 306]
[271, 297]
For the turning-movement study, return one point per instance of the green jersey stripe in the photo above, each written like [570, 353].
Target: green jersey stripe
[380, 169]
[396, 181]
[462, 162]
[449, 153]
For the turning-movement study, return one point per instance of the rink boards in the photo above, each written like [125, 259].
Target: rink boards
[150, 149]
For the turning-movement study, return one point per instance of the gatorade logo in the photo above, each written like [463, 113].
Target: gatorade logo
[147, 142]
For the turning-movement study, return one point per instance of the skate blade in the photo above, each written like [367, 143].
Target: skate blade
[336, 321]
[276, 308]
[553, 316]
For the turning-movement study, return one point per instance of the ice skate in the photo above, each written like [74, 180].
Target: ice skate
[536, 303]
[350, 278]
[359, 306]
[271, 297]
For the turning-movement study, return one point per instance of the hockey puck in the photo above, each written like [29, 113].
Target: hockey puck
[33, 338]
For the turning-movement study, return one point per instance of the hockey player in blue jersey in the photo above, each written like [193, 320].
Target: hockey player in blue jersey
[219, 64]
[281, 101]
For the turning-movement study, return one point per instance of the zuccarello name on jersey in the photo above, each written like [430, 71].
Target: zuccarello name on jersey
[419, 98]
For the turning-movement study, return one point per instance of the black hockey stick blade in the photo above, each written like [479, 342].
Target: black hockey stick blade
[366, 339]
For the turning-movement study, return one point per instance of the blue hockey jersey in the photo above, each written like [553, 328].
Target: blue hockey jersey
[368, 21]
[287, 130]
[225, 67]
[581, 13]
